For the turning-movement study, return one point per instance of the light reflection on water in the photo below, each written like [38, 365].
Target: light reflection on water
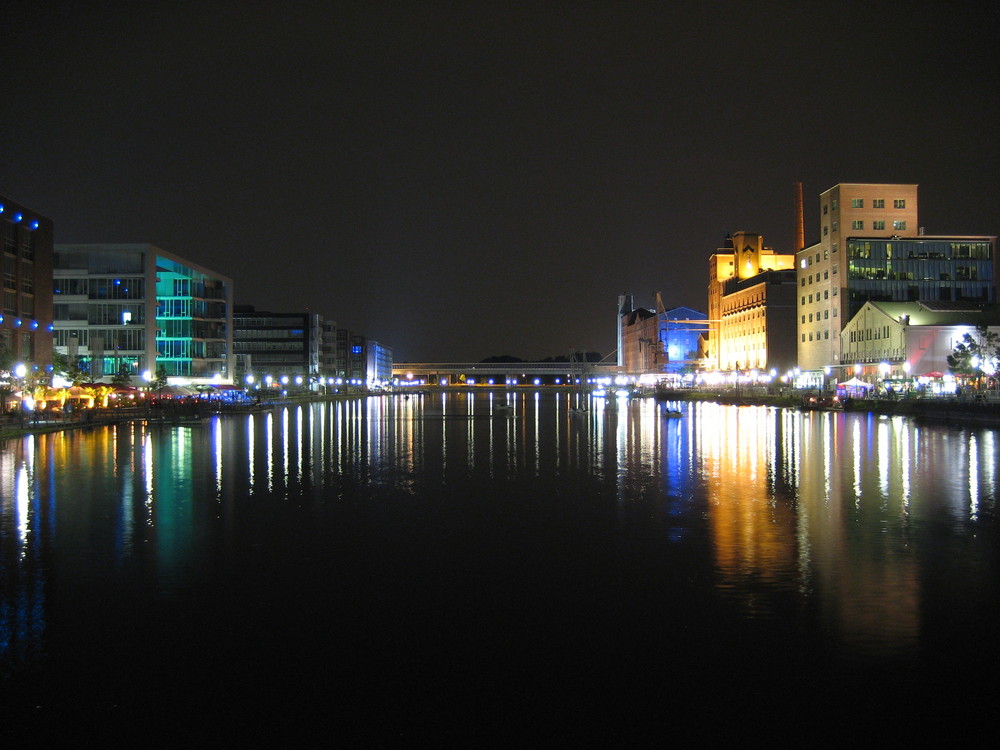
[854, 526]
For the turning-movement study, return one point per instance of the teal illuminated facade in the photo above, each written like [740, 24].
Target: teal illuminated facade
[135, 309]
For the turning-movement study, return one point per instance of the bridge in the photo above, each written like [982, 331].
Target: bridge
[499, 373]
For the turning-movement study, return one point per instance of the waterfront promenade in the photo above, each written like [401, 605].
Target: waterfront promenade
[974, 409]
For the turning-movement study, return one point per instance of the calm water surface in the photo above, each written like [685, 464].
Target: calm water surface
[419, 569]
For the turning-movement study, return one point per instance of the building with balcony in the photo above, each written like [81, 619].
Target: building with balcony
[282, 344]
[328, 349]
[135, 309]
[26, 317]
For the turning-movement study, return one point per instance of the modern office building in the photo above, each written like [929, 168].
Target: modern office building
[379, 365]
[26, 318]
[751, 306]
[352, 360]
[328, 349]
[285, 344]
[872, 248]
[138, 310]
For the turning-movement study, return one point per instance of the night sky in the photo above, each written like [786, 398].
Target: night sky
[472, 179]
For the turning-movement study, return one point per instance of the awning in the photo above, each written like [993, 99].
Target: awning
[854, 383]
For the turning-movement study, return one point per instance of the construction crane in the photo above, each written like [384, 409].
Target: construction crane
[660, 357]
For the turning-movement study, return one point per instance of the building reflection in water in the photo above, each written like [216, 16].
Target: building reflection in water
[789, 506]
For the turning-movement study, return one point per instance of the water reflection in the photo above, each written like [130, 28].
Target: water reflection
[838, 514]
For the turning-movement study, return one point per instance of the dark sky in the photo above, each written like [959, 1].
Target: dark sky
[470, 179]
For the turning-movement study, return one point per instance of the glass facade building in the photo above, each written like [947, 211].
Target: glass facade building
[136, 308]
[918, 268]
[277, 344]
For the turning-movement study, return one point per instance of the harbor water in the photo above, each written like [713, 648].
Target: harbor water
[426, 569]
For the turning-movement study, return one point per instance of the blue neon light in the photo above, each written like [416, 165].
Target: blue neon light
[34, 225]
[17, 218]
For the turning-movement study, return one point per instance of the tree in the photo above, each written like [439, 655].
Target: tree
[977, 353]
[69, 369]
[123, 377]
[160, 379]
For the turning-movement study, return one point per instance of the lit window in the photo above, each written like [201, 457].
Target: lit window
[857, 202]
[857, 225]
[899, 225]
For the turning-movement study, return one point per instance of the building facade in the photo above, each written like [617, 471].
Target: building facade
[328, 349]
[278, 345]
[26, 318]
[379, 365]
[352, 358]
[751, 306]
[872, 248]
[137, 310]
[641, 347]
[662, 343]
[910, 339]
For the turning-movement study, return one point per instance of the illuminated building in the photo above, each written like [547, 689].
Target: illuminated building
[872, 248]
[277, 344]
[136, 309]
[378, 364]
[665, 343]
[751, 306]
[904, 339]
[25, 322]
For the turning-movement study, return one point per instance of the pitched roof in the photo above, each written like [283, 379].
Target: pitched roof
[936, 313]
